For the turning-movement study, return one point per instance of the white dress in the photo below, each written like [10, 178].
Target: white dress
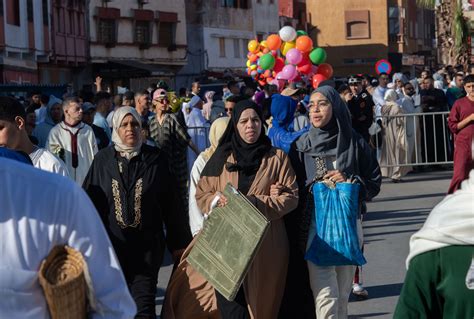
[196, 218]
[60, 141]
[43, 159]
[50, 210]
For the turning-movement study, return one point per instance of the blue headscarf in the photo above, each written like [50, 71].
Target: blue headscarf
[282, 133]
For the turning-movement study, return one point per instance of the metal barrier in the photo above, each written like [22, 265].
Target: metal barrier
[427, 140]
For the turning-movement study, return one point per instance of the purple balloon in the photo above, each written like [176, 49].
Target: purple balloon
[288, 72]
[294, 56]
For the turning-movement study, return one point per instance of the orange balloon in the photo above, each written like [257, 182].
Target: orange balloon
[273, 42]
[253, 58]
[304, 43]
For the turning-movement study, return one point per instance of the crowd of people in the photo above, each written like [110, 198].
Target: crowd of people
[153, 171]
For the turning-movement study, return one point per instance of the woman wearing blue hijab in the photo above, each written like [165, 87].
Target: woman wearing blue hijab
[282, 133]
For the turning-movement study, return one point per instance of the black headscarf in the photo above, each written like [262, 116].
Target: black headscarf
[248, 156]
[336, 138]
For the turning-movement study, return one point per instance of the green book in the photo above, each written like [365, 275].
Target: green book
[228, 243]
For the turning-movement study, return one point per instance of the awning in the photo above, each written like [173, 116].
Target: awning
[148, 68]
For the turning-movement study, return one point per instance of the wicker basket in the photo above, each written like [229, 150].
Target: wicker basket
[62, 277]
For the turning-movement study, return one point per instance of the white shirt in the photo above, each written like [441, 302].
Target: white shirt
[60, 138]
[39, 210]
[43, 159]
[196, 218]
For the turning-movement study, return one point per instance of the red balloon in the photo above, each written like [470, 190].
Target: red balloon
[317, 79]
[279, 64]
[325, 70]
[305, 66]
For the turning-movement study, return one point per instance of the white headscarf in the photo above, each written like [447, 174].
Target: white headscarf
[126, 151]
[391, 96]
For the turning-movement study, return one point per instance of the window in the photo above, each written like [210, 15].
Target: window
[222, 47]
[166, 34]
[236, 48]
[357, 24]
[71, 21]
[244, 47]
[393, 23]
[142, 32]
[360, 61]
[44, 5]
[106, 31]
[13, 12]
[238, 4]
[29, 10]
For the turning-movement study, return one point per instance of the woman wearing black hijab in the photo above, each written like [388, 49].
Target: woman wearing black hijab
[333, 151]
[246, 159]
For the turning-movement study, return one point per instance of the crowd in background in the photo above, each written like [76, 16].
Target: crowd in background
[141, 152]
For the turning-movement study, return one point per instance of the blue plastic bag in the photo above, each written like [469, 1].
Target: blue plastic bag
[336, 213]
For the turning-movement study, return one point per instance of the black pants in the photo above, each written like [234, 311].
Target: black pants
[143, 290]
[236, 309]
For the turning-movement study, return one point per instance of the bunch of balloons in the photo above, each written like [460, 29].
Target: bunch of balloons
[287, 56]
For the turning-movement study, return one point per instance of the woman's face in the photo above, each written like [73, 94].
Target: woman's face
[129, 131]
[249, 126]
[320, 110]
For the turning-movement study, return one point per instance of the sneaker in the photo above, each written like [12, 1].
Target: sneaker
[360, 292]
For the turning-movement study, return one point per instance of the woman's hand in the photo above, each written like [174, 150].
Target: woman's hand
[222, 200]
[335, 176]
[276, 189]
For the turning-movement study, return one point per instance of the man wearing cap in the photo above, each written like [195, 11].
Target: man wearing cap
[361, 107]
[173, 139]
[88, 115]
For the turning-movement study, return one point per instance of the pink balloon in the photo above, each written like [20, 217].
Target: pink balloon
[294, 56]
[276, 82]
[288, 72]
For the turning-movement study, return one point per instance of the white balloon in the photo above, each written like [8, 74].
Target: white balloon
[287, 33]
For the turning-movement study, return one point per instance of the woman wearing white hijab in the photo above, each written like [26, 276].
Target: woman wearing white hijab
[394, 142]
[130, 185]
[195, 215]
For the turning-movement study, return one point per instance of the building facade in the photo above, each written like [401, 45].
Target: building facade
[293, 13]
[135, 43]
[356, 34]
[218, 34]
[65, 22]
[24, 40]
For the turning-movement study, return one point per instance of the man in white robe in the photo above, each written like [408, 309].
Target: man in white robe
[49, 211]
[73, 141]
[13, 135]
[197, 129]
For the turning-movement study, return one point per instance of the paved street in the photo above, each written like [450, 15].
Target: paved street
[393, 217]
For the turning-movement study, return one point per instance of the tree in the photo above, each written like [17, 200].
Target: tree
[452, 29]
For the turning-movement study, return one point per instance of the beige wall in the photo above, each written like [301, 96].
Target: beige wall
[125, 33]
[327, 16]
